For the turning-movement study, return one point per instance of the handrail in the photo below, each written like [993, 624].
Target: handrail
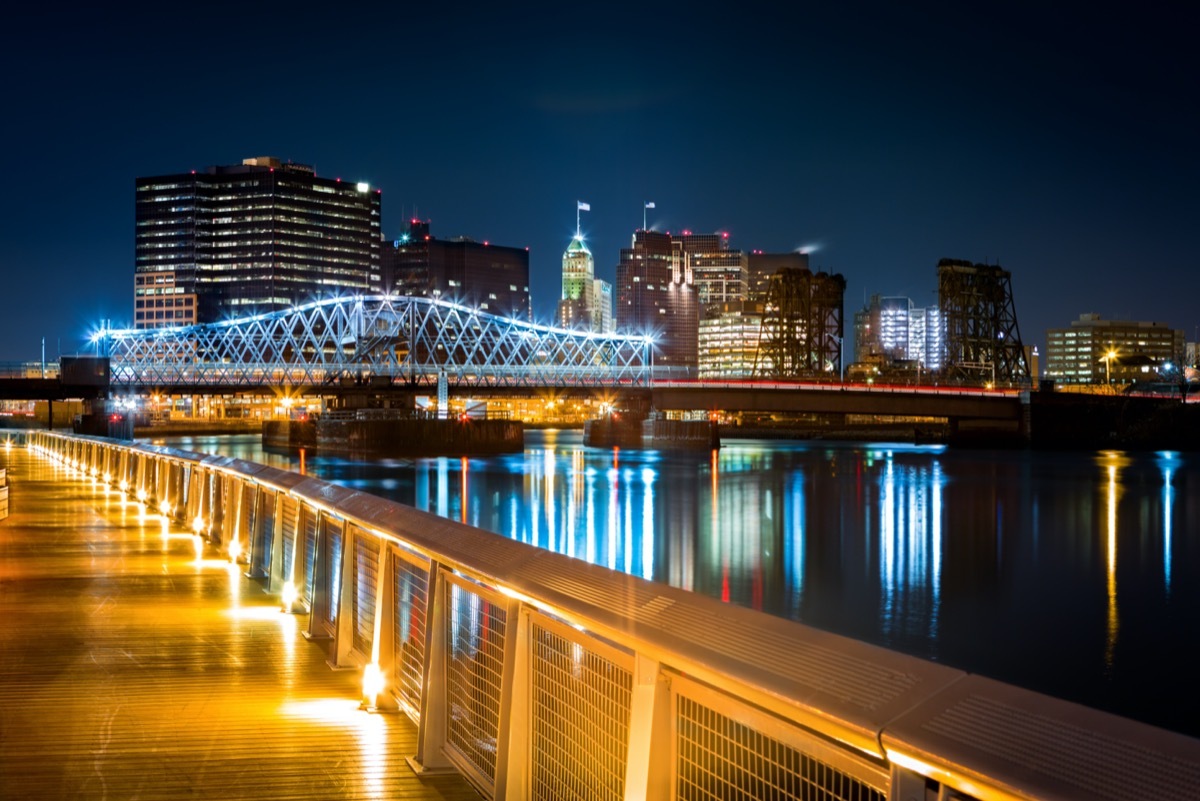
[529, 671]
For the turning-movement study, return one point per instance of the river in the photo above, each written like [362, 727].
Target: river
[1074, 574]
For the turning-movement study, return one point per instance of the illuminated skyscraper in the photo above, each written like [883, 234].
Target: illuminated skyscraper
[250, 238]
[891, 331]
[586, 300]
[656, 295]
[729, 339]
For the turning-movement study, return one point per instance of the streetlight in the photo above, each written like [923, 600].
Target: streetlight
[1108, 357]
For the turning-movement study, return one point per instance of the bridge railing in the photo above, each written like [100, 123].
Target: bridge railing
[543, 677]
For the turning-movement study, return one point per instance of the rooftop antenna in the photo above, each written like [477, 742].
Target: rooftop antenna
[580, 206]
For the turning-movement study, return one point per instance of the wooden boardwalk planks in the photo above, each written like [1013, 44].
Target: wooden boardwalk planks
[129, 669]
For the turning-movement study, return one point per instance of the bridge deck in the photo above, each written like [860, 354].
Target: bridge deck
[128, 669]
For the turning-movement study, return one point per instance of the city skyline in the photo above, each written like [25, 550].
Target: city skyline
[1049, 142]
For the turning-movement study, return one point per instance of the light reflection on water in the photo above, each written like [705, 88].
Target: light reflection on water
[1073, 574]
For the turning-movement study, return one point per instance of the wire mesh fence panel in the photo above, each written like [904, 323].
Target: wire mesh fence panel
[718, 757]
[410, 579]
[580, 705]
[365, 587]
[289, 522]
[476, 628]
[305, 581]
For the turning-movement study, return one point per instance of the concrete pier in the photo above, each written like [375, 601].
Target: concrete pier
[129, 668]
[397, 436]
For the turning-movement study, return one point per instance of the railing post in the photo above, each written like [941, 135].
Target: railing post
[275, 577]
[343, 637]
[649, 765]
[383, 637]
[512, 747]
[431, 731]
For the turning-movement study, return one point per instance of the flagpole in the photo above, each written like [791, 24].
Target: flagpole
[578, 231]
[643, 215]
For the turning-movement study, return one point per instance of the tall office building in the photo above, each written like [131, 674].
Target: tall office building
[494, 278]
[1096, 351]
[893, 332]
[656, 295]
[256, 237]
[586, 300]
[729, 339]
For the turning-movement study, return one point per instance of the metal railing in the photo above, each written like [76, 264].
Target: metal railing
[543, 677]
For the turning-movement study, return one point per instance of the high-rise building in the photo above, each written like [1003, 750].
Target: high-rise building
[578, 286]
[602, 313]
[586, 300]
[656, 296]
[494, 278]
[893, 332]
[1096, 351]
[729, 339]
[250, 238]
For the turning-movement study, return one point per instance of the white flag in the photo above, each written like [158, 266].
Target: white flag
[650, 205]
[584, 206]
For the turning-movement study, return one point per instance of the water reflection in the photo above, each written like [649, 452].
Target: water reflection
[1169, 463]
[1003, 563]
[910, 508]
[1111, 461]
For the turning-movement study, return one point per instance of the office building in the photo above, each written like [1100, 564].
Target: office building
[1096, 351]
[656, 296]
[492, 278]
[586, 300]
[729, 338]
[250, 238]
[892, 332]
[161, 303]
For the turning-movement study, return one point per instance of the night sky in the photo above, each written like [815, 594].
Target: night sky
[1058, 142]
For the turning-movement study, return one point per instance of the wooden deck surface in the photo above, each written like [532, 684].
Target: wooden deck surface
[131, 670]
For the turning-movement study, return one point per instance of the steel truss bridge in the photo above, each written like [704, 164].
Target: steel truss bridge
[378, 340]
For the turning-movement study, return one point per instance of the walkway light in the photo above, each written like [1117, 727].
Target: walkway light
[373, 684]
[198, 524]
[235, 549]
[289, 595]
[141, 496]
[164, 508]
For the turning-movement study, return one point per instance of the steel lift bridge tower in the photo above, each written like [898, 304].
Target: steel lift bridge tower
[802, 326]
[381, 340]
[982, 340]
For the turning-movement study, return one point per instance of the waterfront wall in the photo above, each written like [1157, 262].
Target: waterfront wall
[1071, 420]
[289, 434]
[397, 436]
[421, 436]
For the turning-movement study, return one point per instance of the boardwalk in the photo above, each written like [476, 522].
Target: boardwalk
[131, 669]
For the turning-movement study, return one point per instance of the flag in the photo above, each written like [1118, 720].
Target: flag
[584, 206]
[650, 205]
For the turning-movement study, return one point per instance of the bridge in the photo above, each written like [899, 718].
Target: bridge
[534, 675]
[379, 340]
